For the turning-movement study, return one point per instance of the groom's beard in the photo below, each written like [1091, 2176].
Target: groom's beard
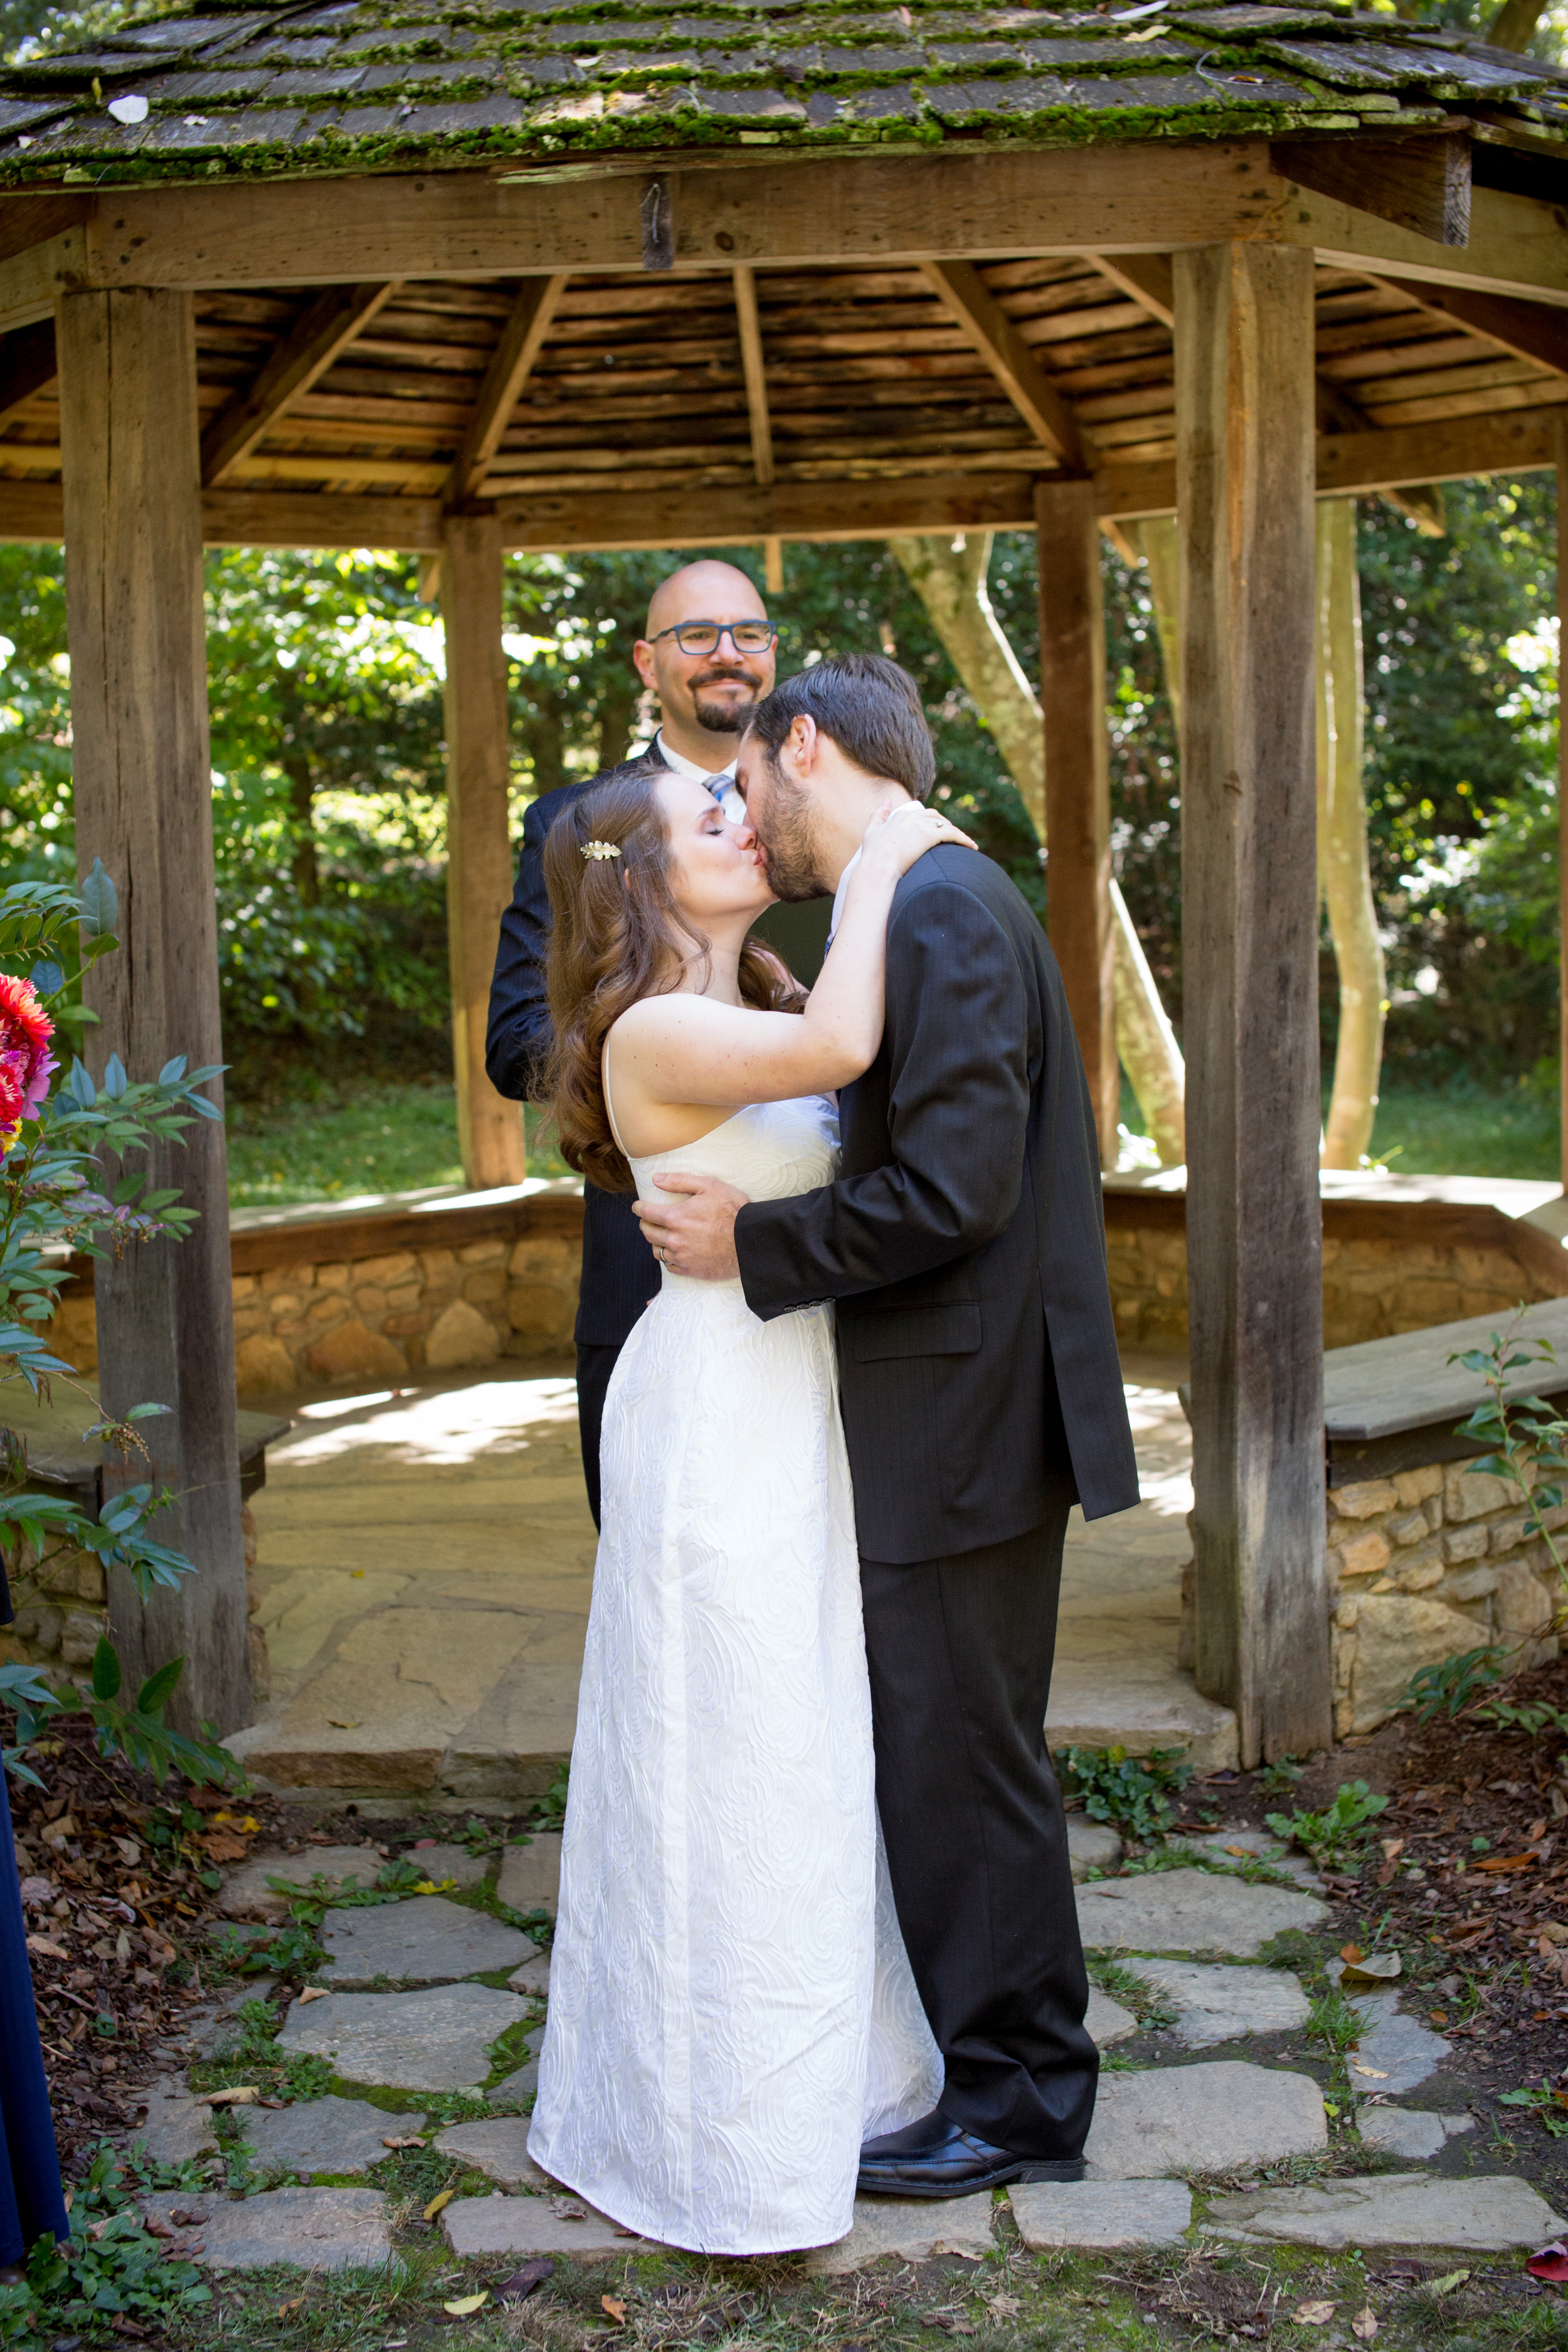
[795, 865]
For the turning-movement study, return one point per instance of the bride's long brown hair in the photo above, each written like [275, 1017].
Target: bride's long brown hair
[619, 936]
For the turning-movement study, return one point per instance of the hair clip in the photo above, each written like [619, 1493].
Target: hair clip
[599, 849]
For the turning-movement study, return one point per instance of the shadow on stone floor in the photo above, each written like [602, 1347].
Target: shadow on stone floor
[426, 1561]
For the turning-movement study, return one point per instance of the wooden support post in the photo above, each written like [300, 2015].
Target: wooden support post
[143, 803]
[1250, 926]
[1078, 783]
[478, 838]
[1562, 783]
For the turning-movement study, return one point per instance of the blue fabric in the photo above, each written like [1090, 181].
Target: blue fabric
[30, 2198]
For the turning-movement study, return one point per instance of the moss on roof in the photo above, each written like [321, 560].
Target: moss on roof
[365, 84]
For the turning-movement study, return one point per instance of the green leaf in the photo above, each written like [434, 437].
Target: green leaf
[98, 902]
[105, 1669]
[47, 978]
[115, 1078]
[173, 1072]
[159, 1688]
[145, 1412]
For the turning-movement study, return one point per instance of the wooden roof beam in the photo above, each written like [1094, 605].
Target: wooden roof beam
[972, 307]
[511, 366]
[1420, 181]
[1147, 278]
[322, 331]
[1528, 329]
[27, 365]
[750, 325]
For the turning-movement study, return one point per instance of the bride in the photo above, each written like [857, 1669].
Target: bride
[730, 2007]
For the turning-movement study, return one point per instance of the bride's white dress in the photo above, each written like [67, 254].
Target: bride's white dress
[730, 2005]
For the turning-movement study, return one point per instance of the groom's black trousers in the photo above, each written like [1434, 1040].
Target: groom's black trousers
[960, 1651]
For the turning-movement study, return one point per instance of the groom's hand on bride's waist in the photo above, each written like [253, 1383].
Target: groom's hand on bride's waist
[693, 1233]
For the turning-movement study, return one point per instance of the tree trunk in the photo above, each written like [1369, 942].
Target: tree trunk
[949, 577]
[1514, 25]
[1344, 869]
[307, 874]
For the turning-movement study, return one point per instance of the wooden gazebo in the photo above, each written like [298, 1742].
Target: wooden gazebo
[553, 277]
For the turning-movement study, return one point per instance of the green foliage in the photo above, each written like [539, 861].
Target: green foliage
[253, 2054]
[1502, 1715]
[50, 1204]
[1448, 1688]
[1332, 2020]
[1336, 1836]
[109, 2268]
[550, 1812]
[1529, 1436]
[1549, 2106]
[1277, 1779]
[291, 1950]
[1133, 1792]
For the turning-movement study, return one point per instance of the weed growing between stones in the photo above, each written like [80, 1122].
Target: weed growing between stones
[1134, 1793]
[1336, 1837]
[113, 2276]
[253, 2055]
[1153, 2008]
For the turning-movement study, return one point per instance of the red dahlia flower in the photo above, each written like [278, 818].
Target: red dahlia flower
[26, 1061]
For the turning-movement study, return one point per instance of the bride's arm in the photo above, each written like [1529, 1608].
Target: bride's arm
[689, 1049]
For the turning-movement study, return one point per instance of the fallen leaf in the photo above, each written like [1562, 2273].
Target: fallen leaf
[1392, 1848]
[1446, 2285]
[1006, 2306]
[244, 2094]
[617, 2309]
[1350, 1953]
[1536, 1830]
[1502, 1861]
[522, 2282]
[1364, 2324]
[1382, 1967]
[285, 2308]
[314, 1992]
[1374, 2074]
[218, 1846]
[1245, 1850]
[130, 1851]
[1315, 2315]
[466, 2305]
[1555, 1931]
[437, 2202]
[1550, 2263]
[359, 1719]
[50, 1951]
[1439, 2017]
[124, 2326]
[411, 2141]
[56, 1833]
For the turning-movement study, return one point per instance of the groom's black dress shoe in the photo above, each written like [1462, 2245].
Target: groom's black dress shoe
[937, 2157]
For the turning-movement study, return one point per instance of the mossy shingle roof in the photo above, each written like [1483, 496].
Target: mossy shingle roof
[364, 84]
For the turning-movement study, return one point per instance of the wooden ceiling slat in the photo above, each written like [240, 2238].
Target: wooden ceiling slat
[1409, 359]
[1483, 377]
[1539, 394]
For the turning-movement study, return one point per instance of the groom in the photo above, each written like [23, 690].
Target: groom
[964, 1245]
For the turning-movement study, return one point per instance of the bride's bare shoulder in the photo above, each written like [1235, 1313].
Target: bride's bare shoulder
[653, 1018]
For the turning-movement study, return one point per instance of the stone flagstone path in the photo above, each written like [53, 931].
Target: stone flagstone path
[434, 1990]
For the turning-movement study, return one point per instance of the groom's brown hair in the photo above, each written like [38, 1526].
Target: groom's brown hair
[864, 703]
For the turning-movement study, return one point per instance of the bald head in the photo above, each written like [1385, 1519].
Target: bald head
[706, 699]
[708, 591]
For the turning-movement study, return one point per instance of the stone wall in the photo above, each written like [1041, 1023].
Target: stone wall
[374, 1298]
[1388, 1267]
[1427, 1564]
[62, 1607]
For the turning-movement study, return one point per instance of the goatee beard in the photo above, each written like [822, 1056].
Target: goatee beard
[723, 717]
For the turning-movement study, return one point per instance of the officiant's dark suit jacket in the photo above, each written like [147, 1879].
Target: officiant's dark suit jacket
[964, 1239]
[619, 1275]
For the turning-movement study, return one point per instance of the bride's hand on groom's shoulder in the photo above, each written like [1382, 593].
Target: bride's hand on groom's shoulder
[693, 1232]
[902, 831]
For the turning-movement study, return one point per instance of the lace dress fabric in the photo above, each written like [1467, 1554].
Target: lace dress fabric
[730, 2005]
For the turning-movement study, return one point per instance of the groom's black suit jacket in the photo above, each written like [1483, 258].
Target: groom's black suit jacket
[964, 1239]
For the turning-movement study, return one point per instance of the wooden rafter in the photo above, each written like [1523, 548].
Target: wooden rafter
[501, 387]
[756, 380]
[1528, 329]
[1422, 501]
[27, 364]
[324, 329]
[972, 305]
[1147, 278]
[1420, 181]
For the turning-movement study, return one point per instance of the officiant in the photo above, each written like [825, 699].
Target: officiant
[708, 657]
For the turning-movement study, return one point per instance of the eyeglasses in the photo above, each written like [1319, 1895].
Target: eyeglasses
[703, 637]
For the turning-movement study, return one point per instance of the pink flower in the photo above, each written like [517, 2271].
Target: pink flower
[26, 1061]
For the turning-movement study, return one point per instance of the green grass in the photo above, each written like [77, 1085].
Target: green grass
[1464, 1130]
[1460, 1130]
[361, 1136]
